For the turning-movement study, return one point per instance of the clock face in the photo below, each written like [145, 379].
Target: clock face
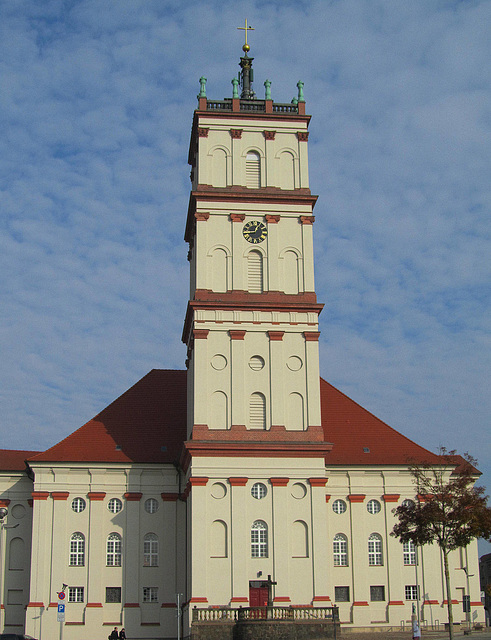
[254, 231]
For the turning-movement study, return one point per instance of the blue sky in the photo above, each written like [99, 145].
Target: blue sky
[96, 105]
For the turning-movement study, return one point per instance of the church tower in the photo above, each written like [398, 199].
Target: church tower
[255, 451]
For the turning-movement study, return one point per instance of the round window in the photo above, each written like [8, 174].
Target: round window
[78, 505]
[114, 505]
[373, 506]
[408, 503]
[339, 506]
[151, 505]
[259, 490]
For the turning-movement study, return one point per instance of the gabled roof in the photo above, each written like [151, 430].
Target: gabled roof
[360, 438]
[146, 424]
[152, 415]
[13, 459]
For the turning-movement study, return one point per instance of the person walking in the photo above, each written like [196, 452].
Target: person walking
[122, 634]
[114, 634]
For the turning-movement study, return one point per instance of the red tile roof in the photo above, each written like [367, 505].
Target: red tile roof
[146, 424]
[152, 415]
[14, 460]
[362, 439]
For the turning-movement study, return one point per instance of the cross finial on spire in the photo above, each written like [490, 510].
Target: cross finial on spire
[247, 28]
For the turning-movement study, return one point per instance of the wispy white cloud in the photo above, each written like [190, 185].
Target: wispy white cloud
[95, 111]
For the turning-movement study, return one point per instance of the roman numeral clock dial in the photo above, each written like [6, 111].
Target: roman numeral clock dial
[254, 231]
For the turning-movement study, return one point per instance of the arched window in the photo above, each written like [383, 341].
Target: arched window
[255, 272]
[259, 539]
[113, 550]
[340, 550]
[257, 411]
[375, 550]
[150, 550]
[253, 170]
[77, 550]
[409, 551]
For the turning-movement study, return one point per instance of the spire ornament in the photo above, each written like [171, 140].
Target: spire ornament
[246, 47]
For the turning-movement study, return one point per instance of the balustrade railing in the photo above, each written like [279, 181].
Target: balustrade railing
[258, 106]
[224, 614]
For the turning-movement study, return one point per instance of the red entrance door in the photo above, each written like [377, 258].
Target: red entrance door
[258, 597]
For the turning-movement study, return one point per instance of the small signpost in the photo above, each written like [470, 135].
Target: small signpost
[61, 612]
[60, 616]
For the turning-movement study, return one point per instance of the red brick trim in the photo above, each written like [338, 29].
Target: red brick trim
[96, 495]
[321, 599]
[453, 602]
[198, 482]
[318, 482]
[356, 497]
[74, 624]
[202, 216]
[303, 136]
[430, 602]
[236, 334]
[149, 624]
[360, 603]
[203, 132]
[239, 599]
[391, 497]
[282, 599]
[52, 604]
[272, 219]
[94, 605]
[269, 135]
[169, 497]
[30, 502]
[237, 217]
[423, 498]
[40, 495]
[311, 336]
[60, 495]
[4, 502]
[168, 605]
[395, 602]
[307, 219]
[35, 604]
[198, 599]
[279, 482]
[328, 497]
[133, 497]
[238, 482]
[236, 133]
[477, 603]
[276, 335]
[131, 605]
[200, 334]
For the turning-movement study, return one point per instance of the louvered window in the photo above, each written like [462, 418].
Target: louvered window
[255, 272]
[253, 170]
[257, 411]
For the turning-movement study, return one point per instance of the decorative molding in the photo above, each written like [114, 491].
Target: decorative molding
[169, 497]
[328, 497]
[96, 495]
[168, 605]
[237, 217]
[269, 135]
[196, 481]
[94, 605]
[356, 497]
[307, 219]
[60, 495]
[236, 334]
[239, 599]
[131, 605]
[133, 496]
[271, 219]
[279, 482]
[40, 495]
[431, 602]
[391, 497]
[200, 334]
[198, 599]
[311, 336]
[395, 602]
[203, 132]
[4, 502]
[303, 136]
[282, 599]
[236, 134]
[321, 599]
[35, 604]
[202, 216]
[276, 335]
[317, 482]
[360, 603]
[238, 482]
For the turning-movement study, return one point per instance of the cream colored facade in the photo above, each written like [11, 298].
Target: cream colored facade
[254, 494]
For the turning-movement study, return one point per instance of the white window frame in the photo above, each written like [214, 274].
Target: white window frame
[374, 507]
[259, 490]
[113, 550]
[115, 505]
[409, 553]
[411, 591]
[340, 550]
[151, 550]
[259, 539]
[375, 550]
[75, 594]
[78, 505]
[339, 506]
[77, 550]
[151, 505]
[150, 594]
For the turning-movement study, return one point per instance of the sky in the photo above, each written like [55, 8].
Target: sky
[96, 106]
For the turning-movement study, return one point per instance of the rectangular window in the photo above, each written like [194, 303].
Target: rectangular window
[113, 594]
[411, 591]
[150, 594]
[374, 551]
[409, 551]
[75, 594]
[377, 593]
[341, 594]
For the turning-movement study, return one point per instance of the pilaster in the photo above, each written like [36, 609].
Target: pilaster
[276, 359]
[240, 543]
[319, 551]
[238, 401]
[199, 542]
[281, 549]
[313, 378]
